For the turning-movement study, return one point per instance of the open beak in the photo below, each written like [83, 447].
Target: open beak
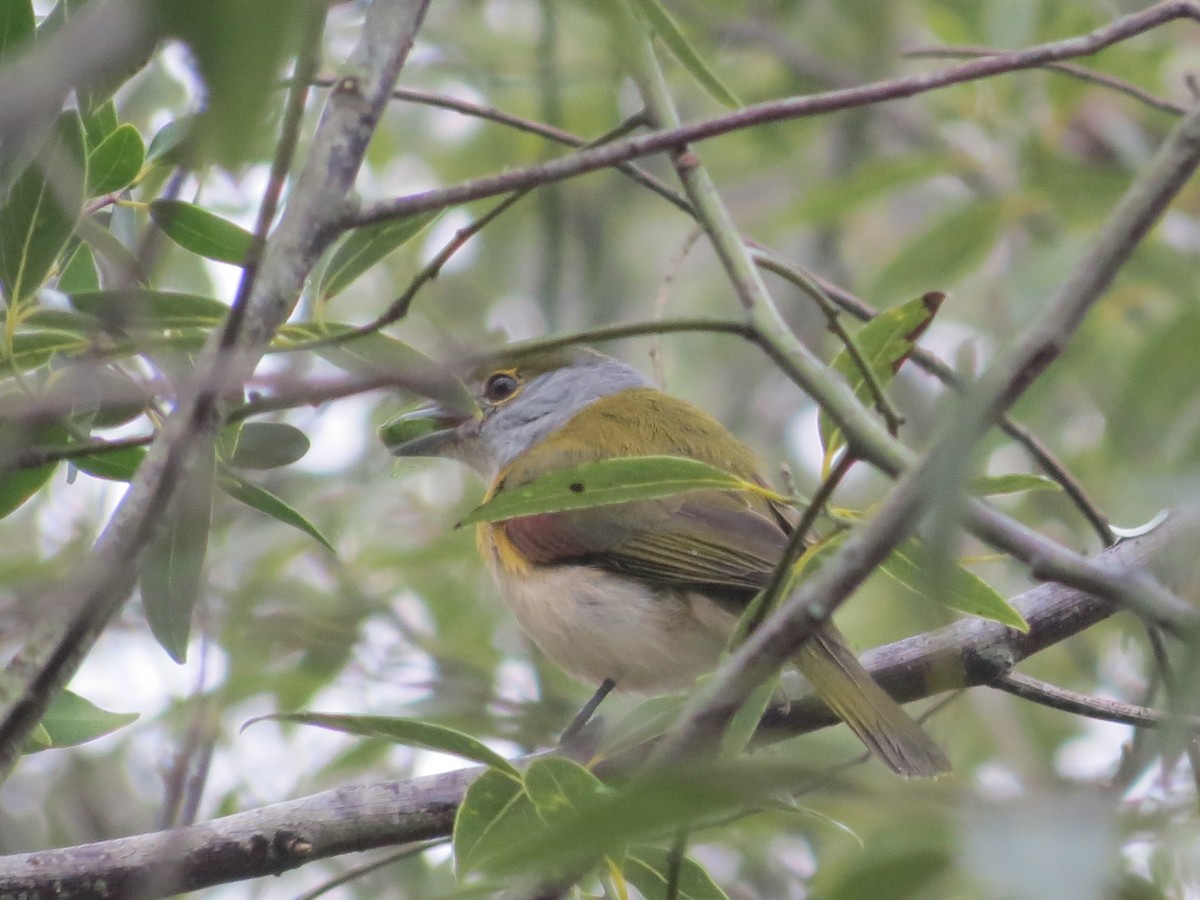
[426, 430]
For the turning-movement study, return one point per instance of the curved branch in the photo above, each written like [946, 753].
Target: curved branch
[282, 836]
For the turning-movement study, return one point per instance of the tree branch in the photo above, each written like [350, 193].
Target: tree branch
[98, 586]
[286, 835]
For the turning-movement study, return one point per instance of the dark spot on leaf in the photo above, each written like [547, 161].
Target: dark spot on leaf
[576, 487]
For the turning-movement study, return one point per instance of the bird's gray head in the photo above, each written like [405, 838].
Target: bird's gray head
[522, 397]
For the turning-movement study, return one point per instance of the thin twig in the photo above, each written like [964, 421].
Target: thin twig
[1055, 697]
[1082, 73]
[670, 138]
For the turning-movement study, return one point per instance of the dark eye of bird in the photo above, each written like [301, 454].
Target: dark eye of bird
[499, 387]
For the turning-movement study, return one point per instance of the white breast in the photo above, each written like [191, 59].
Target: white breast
[598, 625]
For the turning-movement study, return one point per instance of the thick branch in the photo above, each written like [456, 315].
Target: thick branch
[282, 836]
[96, 588]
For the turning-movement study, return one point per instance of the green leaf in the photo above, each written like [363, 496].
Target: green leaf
[111, 465]
[257, 497]
[681, 48]
[143, 308]
[17, 485]
[741, 728]
[42, 207]
[608, 481]
[962, 590]
[172, 573]
[1013, 483]
[268, 445]
[71, 720]
[377, 355]
[494, 810]
[99, 124]
[647, 869]
[201, 232]
[559, 786]
[16, 27]
[946, 251]
[32, 349]
[80, 272]
[366, 246]
[169, 137]
[116, 162]
[648, 719]
[409, 732]
[884, 344]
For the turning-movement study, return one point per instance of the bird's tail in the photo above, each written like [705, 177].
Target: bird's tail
[888, 731]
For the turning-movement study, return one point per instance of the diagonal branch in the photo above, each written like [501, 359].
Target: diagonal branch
[97, 588]
[286, 835]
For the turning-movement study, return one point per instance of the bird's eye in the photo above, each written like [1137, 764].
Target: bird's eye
[499, 386]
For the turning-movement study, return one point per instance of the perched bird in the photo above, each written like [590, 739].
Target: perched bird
[643, 593]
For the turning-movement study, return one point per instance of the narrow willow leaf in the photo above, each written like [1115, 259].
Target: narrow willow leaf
[16, 26]
[648, 719]
[648, 868]
[268, 445]
[379, 355]
[962, 590]
[172, 572]
[201, 232]
[71, 720]
[741, 728]
[100, 122]
[111, 465]
[559, 786]
[681, 48]
[17, 485]
[259, 498]
[609, 481]
[884, 344]
[410, 732]
[80, 272]
[1015, 483]
[168, 138]
[366, 246]
[45, 201]
[494, 810]
[116, 162]
[143, 308]
[33, 349]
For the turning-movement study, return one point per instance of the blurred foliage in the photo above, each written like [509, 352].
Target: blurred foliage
[988, 191]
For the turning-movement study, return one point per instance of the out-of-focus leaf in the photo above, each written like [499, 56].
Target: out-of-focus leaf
[366, 246]
[648, 868]
[204, 233]
[378, 355]
[681, 48]
[830, 199]
[99, 124]
[1014, 483]
[258, 497]
[172, 572]
[410, 732]
[41, 210]
[884, 344]
[559, 786]
[112, 465]
[16, 26]
[962, 590]
[80, 272]
[609, 481]
[71, 720]
[494, 810]
[19, 484]
[744, 723]
[902, 875]
[268, 445]
[116, 162]
[143, 308]
[32, 349]
[943, 253]
[238, 48]
[169, 138]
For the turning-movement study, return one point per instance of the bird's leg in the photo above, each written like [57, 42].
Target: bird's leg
[584, 716]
